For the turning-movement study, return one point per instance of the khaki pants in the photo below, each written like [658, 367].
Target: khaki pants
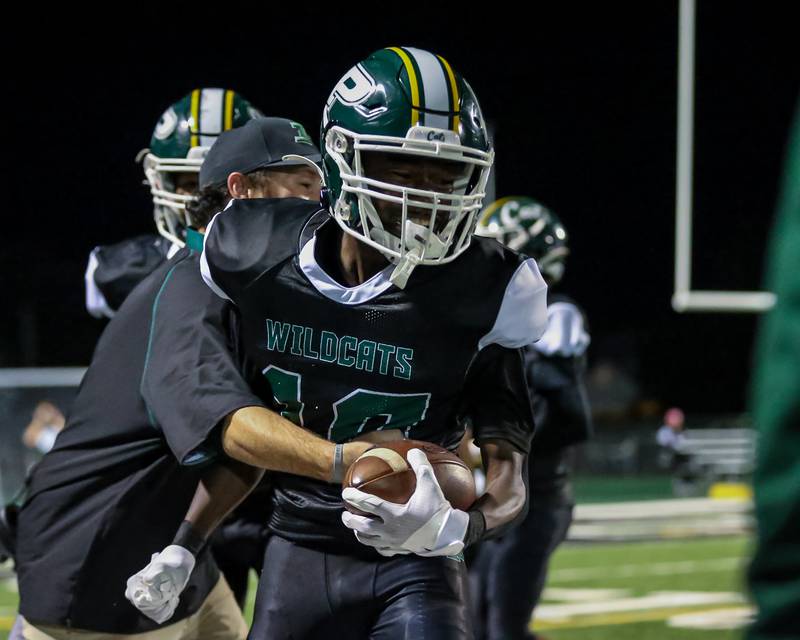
[219, 618]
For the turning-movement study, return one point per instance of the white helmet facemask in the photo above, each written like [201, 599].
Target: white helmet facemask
[169, 209]
[433, 227]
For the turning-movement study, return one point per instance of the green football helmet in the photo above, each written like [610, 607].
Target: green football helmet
[406, 102]
[524, 225]
[180, 141]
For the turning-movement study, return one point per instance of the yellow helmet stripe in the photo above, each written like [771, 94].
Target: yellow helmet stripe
[412, 78]
[453, 90]
[497, 204]
[195, 116]
[228, 110]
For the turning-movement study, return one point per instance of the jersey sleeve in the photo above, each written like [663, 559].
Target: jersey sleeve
[192, 376]
[560, 399]
[522, 316]
[247, 239]
[496, 399]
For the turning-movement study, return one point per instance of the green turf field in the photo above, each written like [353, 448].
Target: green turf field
[625, 591]
[8, 603]
[593, 489]
[631, 591]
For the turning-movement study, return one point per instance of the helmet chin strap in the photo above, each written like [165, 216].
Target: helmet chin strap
[419, 241]
[407, 264]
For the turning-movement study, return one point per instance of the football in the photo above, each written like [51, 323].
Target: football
[384, 471]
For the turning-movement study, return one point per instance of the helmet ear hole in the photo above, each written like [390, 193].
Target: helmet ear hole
[341, 144]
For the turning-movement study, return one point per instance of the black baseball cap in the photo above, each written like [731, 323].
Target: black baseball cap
[262, 143]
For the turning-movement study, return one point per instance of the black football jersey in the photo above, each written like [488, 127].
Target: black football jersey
[114, 271]
[344, 361]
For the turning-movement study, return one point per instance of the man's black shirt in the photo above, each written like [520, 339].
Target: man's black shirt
[122, 473]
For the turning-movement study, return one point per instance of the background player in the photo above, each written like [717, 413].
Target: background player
[178, 145]
[508, 575]
[180, 141]
[389, 316]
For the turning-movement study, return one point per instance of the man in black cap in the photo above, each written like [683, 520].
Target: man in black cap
[143, 436]
[266, 158]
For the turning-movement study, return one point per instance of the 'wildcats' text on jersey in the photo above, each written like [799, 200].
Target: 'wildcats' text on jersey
[343, 361]
[346, 351]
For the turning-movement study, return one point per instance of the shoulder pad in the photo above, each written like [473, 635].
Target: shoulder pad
[566, 334]
[114, 271]
[250, 237]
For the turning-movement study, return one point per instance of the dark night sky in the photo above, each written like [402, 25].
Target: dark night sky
[584, 106]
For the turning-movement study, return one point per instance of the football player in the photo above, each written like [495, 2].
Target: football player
[508, 574]
[180, 141]
[380, 311]
[143, 431]
[178, 145]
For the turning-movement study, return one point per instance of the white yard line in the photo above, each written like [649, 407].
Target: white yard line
[644, 569]
[583, 595]
[715, 619]
[658, 509]
[655, 600]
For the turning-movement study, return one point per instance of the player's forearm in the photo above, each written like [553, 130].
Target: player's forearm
[221, 489]
[506, 495]
[262, 438]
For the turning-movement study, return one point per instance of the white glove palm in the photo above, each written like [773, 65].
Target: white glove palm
[156, 589]
[426, 525]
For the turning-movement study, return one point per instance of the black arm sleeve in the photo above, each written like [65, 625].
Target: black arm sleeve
[191, 379]
[496, 400]
[560, 400]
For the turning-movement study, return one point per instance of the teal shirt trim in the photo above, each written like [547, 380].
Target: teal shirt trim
[194, 240]
[150, 342]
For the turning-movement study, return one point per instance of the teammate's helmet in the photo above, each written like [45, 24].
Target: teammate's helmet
[407, 102]
[529, 227]
[180, 141]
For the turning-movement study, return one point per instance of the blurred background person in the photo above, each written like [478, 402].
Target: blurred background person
[774, 575]
[507, 575]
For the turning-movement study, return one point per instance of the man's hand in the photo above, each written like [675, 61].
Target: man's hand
[156, 589]
[426, 525]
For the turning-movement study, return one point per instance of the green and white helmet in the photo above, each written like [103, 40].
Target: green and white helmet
[525, 225]
[181, 139]
[402, 100]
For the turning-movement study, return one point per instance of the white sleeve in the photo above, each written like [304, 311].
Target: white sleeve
[96, 303]
[522, 318]
[566, 335]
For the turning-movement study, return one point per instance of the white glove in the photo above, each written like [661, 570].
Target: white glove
[565, 335]
[426, 525]
[156, 589]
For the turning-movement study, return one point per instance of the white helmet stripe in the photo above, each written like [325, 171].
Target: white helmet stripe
[212, 109]
[434, 85]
